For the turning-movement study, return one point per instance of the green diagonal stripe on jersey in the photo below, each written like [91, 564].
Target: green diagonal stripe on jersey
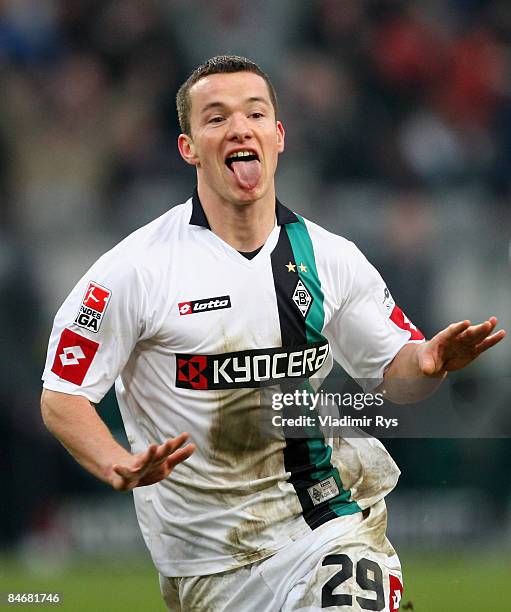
[320, 452]
[304, 253]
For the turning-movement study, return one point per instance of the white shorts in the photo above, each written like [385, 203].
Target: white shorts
[346, 564]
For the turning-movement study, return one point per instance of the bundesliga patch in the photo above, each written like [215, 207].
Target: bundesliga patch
[214, 303]
[93, 306]
[73, 357]
[323, 491]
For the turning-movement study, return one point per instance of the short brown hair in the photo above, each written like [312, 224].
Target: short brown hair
[216, 65]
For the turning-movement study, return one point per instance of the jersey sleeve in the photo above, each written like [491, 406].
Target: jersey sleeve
[96, 329]
[368, 328]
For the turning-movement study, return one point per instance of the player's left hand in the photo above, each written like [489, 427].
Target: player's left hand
[456, 346]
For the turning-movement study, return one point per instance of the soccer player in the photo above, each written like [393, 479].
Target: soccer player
[194, 316]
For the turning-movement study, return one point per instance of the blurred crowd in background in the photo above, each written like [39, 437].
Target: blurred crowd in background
[398, 118]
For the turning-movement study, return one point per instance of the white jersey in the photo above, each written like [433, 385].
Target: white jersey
[192, 332]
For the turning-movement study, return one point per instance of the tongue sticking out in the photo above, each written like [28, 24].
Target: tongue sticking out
[247, 173]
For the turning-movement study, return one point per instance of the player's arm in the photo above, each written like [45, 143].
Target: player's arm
[418, 369]
[73, 420]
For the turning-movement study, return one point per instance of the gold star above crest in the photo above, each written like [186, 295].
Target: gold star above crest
[291, 267]
[302, 267]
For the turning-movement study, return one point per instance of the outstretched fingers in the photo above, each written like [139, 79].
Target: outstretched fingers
[170, 445]
[454, 329]
[472, 335]
[490, 341]
[173, 451]
[432, 356]
[475, 333]
[181, 454]
[152, 465]
[156, 455]
[148, 457]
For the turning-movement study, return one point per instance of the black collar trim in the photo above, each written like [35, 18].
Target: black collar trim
[283, 214]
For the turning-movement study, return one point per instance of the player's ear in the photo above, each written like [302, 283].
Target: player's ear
[187, 149]
[281, 136]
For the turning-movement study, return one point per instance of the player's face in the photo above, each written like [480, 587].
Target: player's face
[235, 138]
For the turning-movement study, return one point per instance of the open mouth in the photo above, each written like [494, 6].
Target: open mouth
[246, 168]
[241, 156]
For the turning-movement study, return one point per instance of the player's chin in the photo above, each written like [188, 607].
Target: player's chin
[241, 196]
[249, 195]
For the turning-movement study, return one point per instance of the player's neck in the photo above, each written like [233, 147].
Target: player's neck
[244, 226]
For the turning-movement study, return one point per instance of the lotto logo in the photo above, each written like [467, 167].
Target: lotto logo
[93, 307]
[73, 357]
[185, 308]
[214, 303]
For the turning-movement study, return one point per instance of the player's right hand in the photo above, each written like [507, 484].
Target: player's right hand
[152, 465]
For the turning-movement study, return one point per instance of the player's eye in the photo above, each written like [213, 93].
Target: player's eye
[216, 119]
[257, 115]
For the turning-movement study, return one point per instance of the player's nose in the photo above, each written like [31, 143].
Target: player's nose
[239, 127]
